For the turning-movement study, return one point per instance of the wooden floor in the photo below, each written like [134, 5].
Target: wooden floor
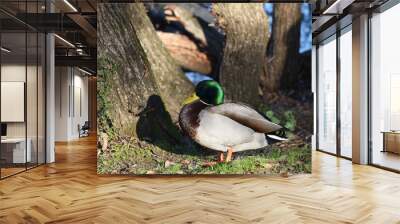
[69, 191]
[10, 171]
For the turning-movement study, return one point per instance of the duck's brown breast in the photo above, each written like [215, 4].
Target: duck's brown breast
[189, 117]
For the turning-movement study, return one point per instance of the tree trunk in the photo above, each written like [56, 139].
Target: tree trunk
[282, 58]
[246, 37]
[140, 87]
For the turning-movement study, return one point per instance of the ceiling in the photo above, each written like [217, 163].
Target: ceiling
[74, 22]
[16, 43]
[330, 15]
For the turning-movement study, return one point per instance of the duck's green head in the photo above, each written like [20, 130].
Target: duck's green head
[209, 91]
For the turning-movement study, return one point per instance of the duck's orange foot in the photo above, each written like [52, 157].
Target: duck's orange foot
[221, 157]
[229, 155]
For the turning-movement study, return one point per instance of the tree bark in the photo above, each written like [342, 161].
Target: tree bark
[140, 87]
[282, 59]
[246, 37]
[169, 77]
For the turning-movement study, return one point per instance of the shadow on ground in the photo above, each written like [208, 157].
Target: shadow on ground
[155, 126]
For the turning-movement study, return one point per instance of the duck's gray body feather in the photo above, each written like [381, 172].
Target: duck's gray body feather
[226, 125]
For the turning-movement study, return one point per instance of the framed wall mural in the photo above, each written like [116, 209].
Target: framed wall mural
[204, 88]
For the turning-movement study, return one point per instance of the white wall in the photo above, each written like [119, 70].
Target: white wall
[11, 73]
[33, 126]
[17, 73]
[62, 82]
[70, 83]
[80, 88]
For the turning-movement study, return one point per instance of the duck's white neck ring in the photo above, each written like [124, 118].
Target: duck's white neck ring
[206, 103]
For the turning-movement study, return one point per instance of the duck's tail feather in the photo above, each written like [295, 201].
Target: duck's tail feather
[277, 136]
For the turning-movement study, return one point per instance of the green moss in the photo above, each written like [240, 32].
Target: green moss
[130, 158]
[106, 71]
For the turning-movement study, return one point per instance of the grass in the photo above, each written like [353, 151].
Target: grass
[130, 157]
[276, 161]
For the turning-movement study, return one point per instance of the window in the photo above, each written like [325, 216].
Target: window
[385, 89]
[327, 96]
[22, 77]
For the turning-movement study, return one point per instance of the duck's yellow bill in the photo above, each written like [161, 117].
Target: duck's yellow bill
[190, 99]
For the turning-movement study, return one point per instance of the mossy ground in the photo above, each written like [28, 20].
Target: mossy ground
[128, 155]
[134, 157]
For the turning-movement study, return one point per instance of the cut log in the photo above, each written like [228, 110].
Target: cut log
[179, 14]
[246, 37]
[165, 19]
[202, 26]
[186, 52]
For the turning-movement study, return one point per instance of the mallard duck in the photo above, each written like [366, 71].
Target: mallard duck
[224, 127]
